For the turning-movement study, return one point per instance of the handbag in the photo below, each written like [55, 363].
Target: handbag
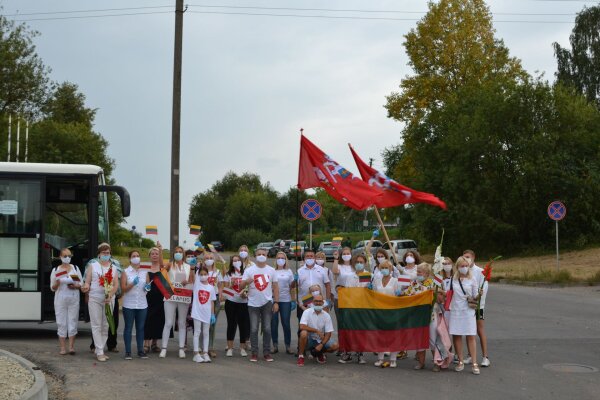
[471, 302]
[449, 294]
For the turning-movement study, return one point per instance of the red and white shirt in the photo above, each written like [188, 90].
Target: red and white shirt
[260, 289]
[204, 295]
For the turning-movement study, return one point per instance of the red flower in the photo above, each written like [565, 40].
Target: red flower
[487, 271]
[101, 280]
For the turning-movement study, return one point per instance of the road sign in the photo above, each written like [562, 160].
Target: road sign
[311, 209]
[557, 210]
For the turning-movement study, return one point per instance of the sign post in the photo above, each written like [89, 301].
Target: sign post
[556, 212]
[311, 210]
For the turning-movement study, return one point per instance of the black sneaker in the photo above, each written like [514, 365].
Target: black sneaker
[142, 354]
[128, 356]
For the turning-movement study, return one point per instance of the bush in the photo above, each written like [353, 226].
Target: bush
[248, 237]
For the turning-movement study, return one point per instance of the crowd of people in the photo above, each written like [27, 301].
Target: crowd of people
[257, 298]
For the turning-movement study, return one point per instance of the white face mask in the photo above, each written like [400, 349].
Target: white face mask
[346, 257]
[243, 254]
[316, 293]
[463, 270]
[420, 278]
[310, 262]
[410, 260]
[380, 259]
[203, 278]
[65, 260]
[281, 262]
[135, 260]
[209, 262]
[237, 264]
[261, 258]
[447, 267]
[320, 262]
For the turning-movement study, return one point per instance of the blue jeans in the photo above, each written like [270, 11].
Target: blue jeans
[285, 309]
[139, 316]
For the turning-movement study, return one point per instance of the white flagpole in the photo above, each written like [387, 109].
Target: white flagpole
[26, 139]
[18, 136]
[9, 135]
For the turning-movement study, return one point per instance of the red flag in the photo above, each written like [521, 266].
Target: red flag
[394, 194]
[317, 169]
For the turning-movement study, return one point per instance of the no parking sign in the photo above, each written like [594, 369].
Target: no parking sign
[556, 212]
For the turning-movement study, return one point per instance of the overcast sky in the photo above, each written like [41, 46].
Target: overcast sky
[250, 82]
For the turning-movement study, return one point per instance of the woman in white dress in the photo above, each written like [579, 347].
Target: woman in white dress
[462, 317]
[385, 283]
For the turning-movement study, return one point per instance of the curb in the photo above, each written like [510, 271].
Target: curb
[39, 390]
[547, 285]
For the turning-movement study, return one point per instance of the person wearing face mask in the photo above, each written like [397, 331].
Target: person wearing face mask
[411, 259]
[263, 301]
[287, 303]
[103, 266]
[482, 284]
[244, 256]
[236, 306]
[65, 282]
[381, 257]
[180, 272]
[135, 284]
[203, 313]
[358, 266]
[155, 314]
[215, 264]
[342, 270]
[462, 317]
[311, 274]
[316, 329]
[385, 283]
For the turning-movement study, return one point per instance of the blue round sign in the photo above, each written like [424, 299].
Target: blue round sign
[557, 210]
[311, 209]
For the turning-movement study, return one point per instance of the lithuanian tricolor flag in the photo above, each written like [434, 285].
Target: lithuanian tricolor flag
[151, 230]
[375, 322]
[163, 283]
[195, 230]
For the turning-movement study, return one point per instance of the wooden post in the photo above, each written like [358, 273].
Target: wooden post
[386, 235]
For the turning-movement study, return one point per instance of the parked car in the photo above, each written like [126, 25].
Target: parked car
[279, 245]
[329, 248]
[361, 246]
[402, 246]
[218, 245]
[296, 251]
[267, 246]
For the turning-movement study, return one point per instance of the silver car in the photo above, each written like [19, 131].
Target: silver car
[402, 246]
[361, 246]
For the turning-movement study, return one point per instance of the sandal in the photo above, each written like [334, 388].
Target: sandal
[475, 369]
[460, 366]
[155, 348]
[62, 352]
[419, 366]
[146, 349]
[72, 352]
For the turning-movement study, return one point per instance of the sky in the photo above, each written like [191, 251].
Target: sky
[250, 82]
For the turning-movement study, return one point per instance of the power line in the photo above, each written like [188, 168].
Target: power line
[84, 11]
[91, 16]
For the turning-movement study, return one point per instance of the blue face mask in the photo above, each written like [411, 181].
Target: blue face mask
[317, 308]
[359, 266]
[192, 260]
[178, 256]
[385, 272]
[105, 257]
[420, 278]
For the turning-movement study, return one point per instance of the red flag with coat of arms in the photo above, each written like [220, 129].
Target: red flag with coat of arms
[317, 169]
[394, 194]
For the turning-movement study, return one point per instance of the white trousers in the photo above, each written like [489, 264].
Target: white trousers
[66, 309]
[99, 324]
[170, 308]
[204, 328]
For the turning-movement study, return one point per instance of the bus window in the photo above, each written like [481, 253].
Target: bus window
[102, 213]
[19, 233]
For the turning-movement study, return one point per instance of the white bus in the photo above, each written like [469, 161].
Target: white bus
[43, 208]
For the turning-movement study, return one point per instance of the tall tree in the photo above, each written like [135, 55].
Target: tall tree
[67, 105]
[580, 66]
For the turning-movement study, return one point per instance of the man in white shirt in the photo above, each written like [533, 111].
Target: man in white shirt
[311, 274]
[261, 281]
[477, 273]
[316, 329]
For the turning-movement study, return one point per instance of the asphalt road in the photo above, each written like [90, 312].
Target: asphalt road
[528, 328]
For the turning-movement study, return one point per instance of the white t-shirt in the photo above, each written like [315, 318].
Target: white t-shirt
[260, 289]
[346, 271]
[234, 281]
[204, 295]
[321, 322]
[285, 277]
[307, 277]
[477, 273]
[135, 298]
[389, 289]
[63, 288]
[412, 272]
[179, 273]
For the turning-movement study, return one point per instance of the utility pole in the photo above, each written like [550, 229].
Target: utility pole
[176, 126]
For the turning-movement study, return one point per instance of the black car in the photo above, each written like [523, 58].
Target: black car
[218, 245]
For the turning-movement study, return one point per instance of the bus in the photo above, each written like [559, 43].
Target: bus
[44, 208]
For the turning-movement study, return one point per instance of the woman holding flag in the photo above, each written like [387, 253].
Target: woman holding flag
[155, 316]
[236, 306]
[385, 283]
[178, 272]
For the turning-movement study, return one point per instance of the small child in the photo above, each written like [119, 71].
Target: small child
[203, 313]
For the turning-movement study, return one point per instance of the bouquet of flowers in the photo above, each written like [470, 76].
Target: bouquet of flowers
[106, 281]
[487, 274]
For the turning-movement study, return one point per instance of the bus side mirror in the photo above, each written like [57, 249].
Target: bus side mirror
[123, 195]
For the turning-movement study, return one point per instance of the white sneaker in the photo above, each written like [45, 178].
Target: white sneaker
[229, 353]
[181, 353]
[378, 363]
[206, 357]
[467, 360]
[243, 353]
[393, 364]
[361, 359]
[198, 358]
[163, 353]
[485, 362]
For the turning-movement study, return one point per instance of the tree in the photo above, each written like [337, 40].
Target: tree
[24, 81]
[580, 66]
[67, 106]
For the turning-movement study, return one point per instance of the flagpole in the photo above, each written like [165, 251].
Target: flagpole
[387, 238]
